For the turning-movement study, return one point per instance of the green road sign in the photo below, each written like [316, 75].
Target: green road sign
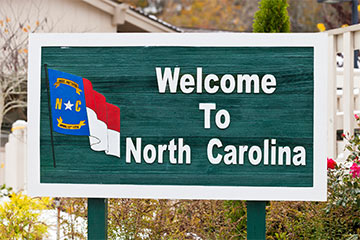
[199, 116]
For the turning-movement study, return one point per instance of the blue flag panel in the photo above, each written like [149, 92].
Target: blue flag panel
[68, 106]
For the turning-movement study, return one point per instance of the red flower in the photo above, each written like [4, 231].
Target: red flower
[355, 170]
[356, 116]
[331, 163]
[343, 135]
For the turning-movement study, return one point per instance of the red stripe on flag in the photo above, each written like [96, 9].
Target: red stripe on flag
[89, 94]
[100, 106]
[113, 117]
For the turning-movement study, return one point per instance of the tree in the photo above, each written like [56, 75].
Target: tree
[13, 63]
[14, 32]
[272, 17]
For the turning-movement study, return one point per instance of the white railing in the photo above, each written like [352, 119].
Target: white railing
[343, 86]
[15, 157]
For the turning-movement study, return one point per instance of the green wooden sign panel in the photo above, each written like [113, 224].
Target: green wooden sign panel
[190, 115]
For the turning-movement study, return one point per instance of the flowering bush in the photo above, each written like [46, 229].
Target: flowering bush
[344, 178]
[344, 184]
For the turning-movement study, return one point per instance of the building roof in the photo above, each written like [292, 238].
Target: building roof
[154, 18]
[130, 19]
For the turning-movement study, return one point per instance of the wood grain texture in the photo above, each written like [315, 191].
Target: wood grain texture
[126, 77]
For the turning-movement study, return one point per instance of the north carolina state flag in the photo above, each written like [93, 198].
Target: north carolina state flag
[77, 109]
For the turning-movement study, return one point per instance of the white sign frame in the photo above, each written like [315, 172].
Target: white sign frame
[316, 193]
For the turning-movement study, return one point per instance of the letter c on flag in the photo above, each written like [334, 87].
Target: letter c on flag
[77, 108]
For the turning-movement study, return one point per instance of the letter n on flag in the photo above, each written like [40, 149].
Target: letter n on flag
[77, 109]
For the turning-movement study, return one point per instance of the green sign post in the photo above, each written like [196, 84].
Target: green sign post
[256, 219]
[97, 218]
[186, 116]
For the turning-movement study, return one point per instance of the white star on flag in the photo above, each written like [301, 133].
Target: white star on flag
[68, 105]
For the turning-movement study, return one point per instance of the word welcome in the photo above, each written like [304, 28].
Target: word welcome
[244, 83]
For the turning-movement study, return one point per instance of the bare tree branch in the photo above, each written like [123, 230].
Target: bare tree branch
[14, 102]
[20, 105]
[15, 83]
[18, 93]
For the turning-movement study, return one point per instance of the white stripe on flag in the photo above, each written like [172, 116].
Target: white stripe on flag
[113, 143]
[98, 132]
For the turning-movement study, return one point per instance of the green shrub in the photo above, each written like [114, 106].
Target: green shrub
[20, 217]
[235, 212]
[295, 220]
[272, 17]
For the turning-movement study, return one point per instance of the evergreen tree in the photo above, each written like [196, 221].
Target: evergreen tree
[272, 17]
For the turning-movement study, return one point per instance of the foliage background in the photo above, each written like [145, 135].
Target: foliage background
[237, 15]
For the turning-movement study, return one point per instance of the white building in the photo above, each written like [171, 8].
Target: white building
[83, 16]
